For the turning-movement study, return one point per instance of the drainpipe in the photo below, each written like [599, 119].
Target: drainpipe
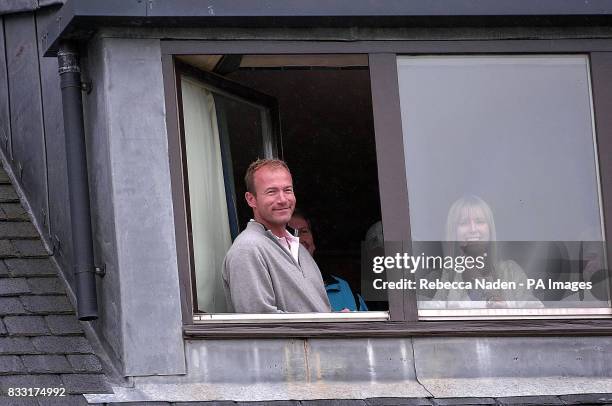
[78, 185]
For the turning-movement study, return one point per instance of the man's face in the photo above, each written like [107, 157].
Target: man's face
[273, 201]
[304, 232]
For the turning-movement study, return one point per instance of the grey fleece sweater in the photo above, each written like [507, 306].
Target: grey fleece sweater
[260, 276]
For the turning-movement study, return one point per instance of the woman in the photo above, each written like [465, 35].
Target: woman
[470, 232]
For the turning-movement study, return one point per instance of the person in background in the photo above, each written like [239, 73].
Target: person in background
[339, 292]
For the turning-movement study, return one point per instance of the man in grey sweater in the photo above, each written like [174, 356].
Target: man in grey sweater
[267, 270]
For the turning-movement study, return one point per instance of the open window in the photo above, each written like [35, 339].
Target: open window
[313, 111]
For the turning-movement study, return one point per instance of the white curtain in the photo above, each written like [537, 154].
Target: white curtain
[209, 216]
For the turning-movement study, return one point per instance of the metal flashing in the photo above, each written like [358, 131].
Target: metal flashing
[79, 19]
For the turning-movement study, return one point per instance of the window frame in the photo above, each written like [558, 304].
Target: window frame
[382, 56]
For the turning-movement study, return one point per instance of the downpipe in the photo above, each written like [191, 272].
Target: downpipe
[78, 184]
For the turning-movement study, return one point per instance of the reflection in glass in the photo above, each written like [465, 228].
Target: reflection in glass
[516, 131]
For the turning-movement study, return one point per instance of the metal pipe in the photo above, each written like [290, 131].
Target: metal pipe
[78, 185]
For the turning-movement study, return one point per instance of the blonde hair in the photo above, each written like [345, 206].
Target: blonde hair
[469, 203]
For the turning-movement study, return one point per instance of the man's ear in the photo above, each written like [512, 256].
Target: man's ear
[250, 198]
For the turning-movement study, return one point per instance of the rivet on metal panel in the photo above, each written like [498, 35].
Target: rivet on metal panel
[20, 169]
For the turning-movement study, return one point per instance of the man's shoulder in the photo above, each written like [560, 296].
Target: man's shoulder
[250, 234]
[249, 239]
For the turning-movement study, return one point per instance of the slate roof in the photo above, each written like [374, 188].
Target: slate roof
[42, 344]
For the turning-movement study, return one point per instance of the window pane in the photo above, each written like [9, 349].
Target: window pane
[240, 126]
[501, 148]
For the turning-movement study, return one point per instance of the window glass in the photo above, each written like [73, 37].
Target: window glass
[500, 161]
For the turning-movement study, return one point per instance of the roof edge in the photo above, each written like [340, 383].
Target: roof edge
[79, 19]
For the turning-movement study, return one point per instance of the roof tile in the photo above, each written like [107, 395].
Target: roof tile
[10, 364]
[3, 270]
[13, 287]
[62, 345]
[46, 286]
[590, 399]
[30, 248]
[10, 306]
[85, 363]
[30, 267]
[64, 325]
[333, 402]
[17, 229]
[160, 403]
[464, 401]
[47, 304]
[7, 250]
[530, 400]
[26, 325]
[7, 194]
[16, 345]
[30, 381]
[398, 402]
[216, 403]
[21, 401]
[69, 400]
[85, 383]
[13, 211]
[47, 364]
[272, 403]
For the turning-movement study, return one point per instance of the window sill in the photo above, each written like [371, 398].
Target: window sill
[338, 317]
[572, 313]
[379, 329]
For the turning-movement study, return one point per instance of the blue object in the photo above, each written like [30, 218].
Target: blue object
[342, 297]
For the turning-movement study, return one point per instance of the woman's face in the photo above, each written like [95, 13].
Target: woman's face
[473, 225]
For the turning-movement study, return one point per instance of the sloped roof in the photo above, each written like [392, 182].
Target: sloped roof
[42, 344]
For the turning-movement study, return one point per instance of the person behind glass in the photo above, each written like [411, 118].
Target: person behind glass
[339, 292]
[470, 231]
[267, 270]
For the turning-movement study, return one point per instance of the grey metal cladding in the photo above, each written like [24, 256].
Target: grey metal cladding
[26, 111]
[19, 6]
[5, 125]
[59, 218]
[489, 357]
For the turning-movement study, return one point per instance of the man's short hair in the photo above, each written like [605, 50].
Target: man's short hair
[260, 163]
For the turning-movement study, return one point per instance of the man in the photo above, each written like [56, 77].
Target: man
[339, 292]
[267, 270]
